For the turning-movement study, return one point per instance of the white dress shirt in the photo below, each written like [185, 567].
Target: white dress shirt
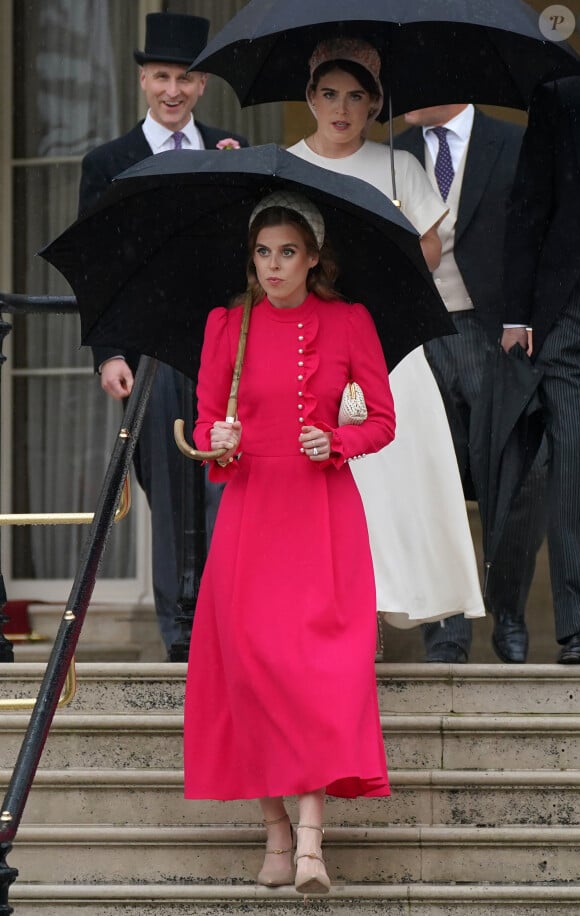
[459, 132]
[160, 138]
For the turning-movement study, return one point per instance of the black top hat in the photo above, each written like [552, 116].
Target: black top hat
[172, 38]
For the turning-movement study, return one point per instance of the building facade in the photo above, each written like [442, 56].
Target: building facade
[68, 83]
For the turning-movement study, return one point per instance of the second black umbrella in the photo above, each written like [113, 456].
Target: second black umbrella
[167, 243]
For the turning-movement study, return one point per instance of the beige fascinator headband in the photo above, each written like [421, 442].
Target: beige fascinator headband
[354, 49]
[290, 200]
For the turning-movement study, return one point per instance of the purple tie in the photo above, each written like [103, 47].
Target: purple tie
[178, 139]
[443, 165]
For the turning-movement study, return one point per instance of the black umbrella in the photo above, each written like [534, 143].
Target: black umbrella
[507, 429]
[433, 51]
[167, 243]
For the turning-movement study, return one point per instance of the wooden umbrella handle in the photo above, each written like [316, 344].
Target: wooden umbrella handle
[186, 449]
[232, 409]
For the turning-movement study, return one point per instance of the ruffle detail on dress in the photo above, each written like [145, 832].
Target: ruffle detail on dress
[311, 360]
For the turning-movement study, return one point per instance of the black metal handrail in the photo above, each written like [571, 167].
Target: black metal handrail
[19, 303]
[81, 592]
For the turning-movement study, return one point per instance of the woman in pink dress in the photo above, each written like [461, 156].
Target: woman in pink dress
[281, 696]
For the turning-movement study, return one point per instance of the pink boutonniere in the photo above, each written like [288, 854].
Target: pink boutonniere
[228, 143]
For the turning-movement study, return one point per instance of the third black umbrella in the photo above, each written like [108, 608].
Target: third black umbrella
[507, 429]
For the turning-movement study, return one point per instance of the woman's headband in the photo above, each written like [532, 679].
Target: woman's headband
[354, 49]
[290, 200]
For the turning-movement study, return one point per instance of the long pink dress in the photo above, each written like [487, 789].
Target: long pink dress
[281, 694]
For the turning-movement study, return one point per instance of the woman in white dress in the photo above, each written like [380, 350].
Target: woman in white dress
[425, 567]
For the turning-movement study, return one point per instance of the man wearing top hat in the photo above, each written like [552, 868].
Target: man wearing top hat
[172, 42]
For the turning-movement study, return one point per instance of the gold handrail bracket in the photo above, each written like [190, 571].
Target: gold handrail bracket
[68, 518]
[69, 690]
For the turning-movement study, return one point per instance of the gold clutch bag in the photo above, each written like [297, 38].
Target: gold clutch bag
[353, 408]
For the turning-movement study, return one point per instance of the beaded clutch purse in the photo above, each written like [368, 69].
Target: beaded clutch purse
[353, 408]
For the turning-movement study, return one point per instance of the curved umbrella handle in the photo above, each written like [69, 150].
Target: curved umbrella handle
[186, 449]
[178, 427]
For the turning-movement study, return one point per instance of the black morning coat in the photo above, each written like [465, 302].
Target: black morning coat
[490, 166]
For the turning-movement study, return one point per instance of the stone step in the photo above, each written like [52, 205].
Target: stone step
[38, 653]
[107, 687]
[102, 620]
[473, 689]
[431, 797]
[421, 899]
[121, 855]
[413, 742]
[412, 689]
[111, 633]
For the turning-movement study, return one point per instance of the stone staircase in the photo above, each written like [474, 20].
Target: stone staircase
[484, 816]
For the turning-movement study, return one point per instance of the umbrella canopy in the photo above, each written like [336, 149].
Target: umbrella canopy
[434, 51]
[507, 428]
[167, 243]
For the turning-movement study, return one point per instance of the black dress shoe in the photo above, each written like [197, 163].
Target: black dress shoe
[569, 654]
[510, 639]
[447, 653]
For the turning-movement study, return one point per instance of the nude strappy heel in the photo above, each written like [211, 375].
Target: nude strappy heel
[276, 877]
[310, 879]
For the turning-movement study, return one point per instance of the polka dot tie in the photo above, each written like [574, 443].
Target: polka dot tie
[178, 139]
[443, 165]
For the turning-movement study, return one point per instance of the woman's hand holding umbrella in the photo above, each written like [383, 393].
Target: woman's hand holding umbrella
[226, 435]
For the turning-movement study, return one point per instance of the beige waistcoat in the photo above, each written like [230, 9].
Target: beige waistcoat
[447, 277]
